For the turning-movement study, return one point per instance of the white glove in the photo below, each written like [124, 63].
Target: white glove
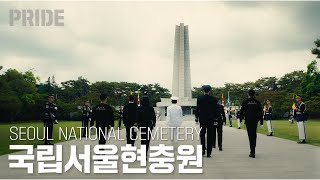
[224, 124]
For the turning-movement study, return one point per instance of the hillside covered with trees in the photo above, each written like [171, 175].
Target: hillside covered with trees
[22, 97]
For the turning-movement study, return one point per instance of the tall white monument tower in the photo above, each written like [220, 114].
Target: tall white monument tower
[181, 81]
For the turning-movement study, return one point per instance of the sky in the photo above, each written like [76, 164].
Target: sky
[232, 42]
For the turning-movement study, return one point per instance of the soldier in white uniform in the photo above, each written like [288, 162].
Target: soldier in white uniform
[268, 117]
[238, 118]
[174, 118]
[300, 116]
[158, 116]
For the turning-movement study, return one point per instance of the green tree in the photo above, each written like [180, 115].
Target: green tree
[310, 85]
[155, 92]
[10, 104]
[281, 101]
[48, 86]
[18, 92]
[30, 77]
[73, 89]
[316, 51]
[290, 82]
[313, 105]
[266, 83]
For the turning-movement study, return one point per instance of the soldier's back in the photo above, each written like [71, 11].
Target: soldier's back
[207, 106]
[252, 110]
[103, 114]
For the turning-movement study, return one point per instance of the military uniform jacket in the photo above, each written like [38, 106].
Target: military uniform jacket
[229, 114]
[120, 114]
[50, 112]
[207, 109]
[174, 115]
[130, 114]
[146, 117]
[238, 114]
[86, 112]
[268, 113]
[103, 114]
[299, 112]
[251, 111]
[222, 117]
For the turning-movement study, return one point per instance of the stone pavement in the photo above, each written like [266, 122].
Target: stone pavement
[276, 158]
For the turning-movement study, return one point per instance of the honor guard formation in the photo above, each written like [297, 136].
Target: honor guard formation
[209, 115]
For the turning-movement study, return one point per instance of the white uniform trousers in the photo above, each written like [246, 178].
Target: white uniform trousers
[301, 130]
[269, 125]
[174, 134]
[239, 123]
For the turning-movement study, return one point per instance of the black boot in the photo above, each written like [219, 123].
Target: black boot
[252, 155]
[302, 142]
[271, 134]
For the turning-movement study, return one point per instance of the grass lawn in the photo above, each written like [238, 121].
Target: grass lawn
[5, 133]
[286, 130]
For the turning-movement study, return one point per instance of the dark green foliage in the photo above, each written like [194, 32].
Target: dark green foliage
[281, 91]
[17, 92]
[313, 106]
[281, 102]
[23, 99]
[316, 51]
[290, 82]
[310, 84]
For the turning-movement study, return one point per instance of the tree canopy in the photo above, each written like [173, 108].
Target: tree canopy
[22, 96]
[279, 90]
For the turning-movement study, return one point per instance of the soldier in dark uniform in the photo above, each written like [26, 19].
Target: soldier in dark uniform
[49, 119]
[300, 116]
[130, 121]
[251, 111]
[207, 113]
[91, 119]
[146, 119]
[230, 117]
[103, 114]
[86, 117]
[217, 128]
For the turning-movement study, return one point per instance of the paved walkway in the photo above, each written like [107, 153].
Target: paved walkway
[276, 158]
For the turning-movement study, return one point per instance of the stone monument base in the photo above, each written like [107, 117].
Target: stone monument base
[188, 106]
